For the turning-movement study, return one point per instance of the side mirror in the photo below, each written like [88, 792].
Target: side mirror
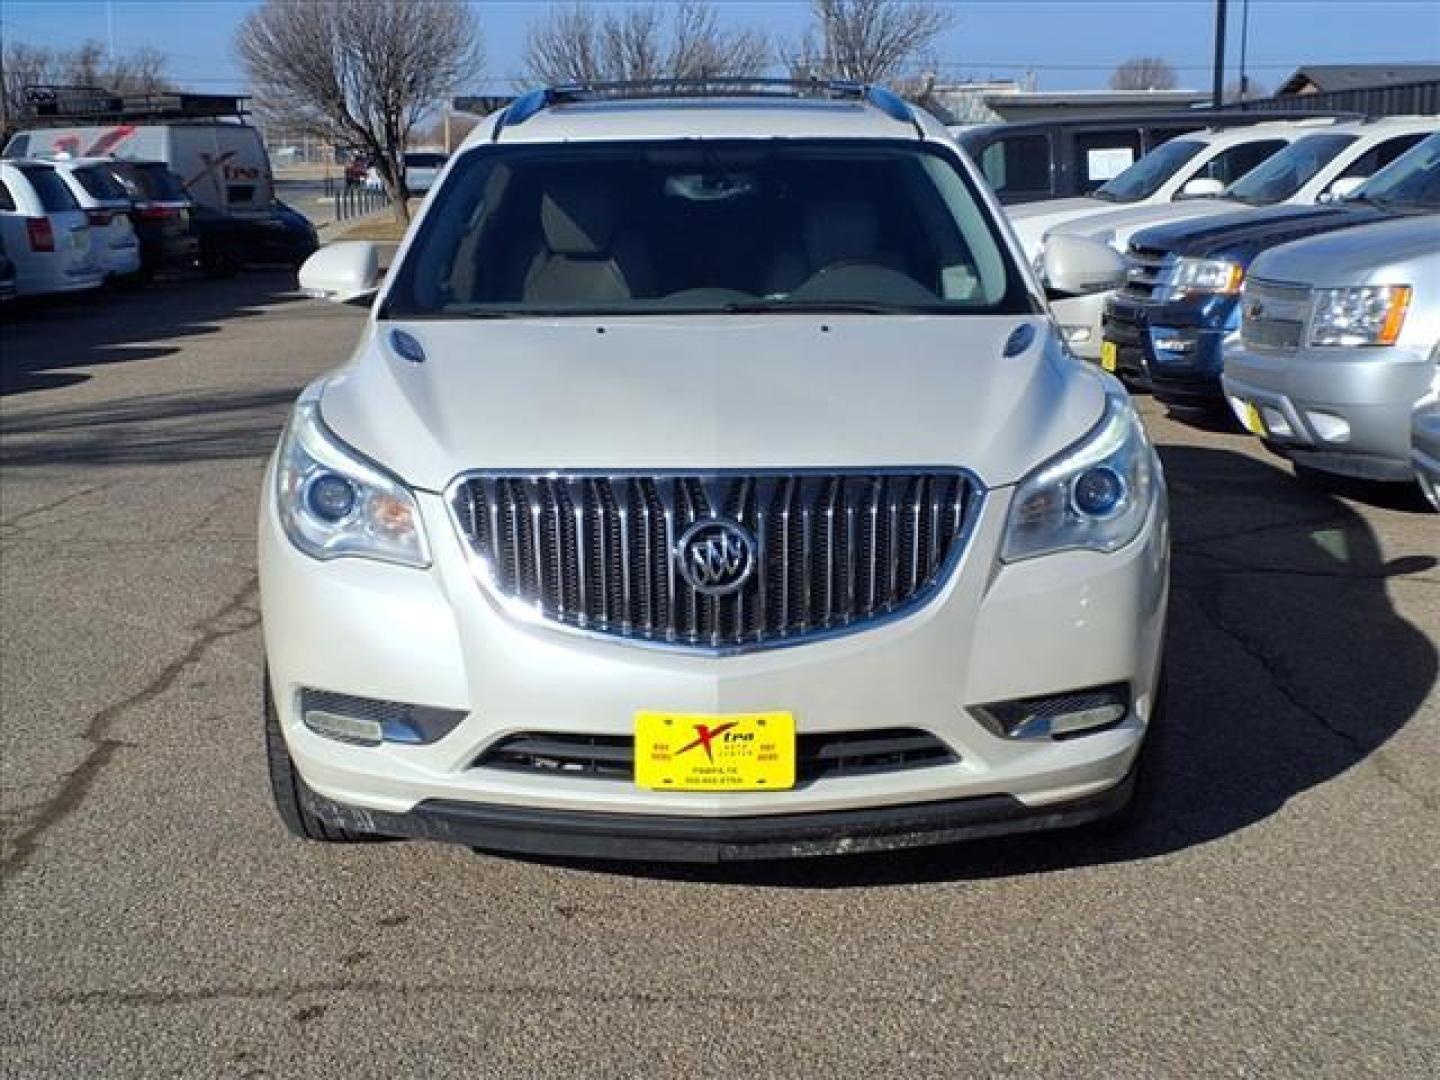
[1202, 187]
[1343, 188]
[346, 273]
[1075, 265]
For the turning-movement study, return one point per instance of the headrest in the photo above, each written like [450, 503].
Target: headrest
[839, 230]
[577, 216]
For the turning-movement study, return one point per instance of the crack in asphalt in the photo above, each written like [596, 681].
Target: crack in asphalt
[103, 746]
[1207, 602]
[1234, 567]
[297, 991]
[1208, 605]
[34, 511]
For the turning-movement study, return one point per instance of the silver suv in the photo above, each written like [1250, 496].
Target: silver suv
[709, 482]
[1337, 336]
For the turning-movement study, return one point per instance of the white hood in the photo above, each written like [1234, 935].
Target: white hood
[712, 392]
[1116, 227]
[1031, 221]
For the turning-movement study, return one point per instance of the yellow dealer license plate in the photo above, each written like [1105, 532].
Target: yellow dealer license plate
[1108, 359]
[1253, 420]
[735, 752]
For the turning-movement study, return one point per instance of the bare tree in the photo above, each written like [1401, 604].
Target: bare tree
[869, 41]
[1144, 73]
[580, 43]
[360, 73]
[89, 64]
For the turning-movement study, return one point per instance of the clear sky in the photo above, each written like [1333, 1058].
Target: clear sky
[1069, 44]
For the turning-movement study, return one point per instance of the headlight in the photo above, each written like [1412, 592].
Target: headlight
[1364, 315]
[1186, 275]
[334, 503]
[1093, 496]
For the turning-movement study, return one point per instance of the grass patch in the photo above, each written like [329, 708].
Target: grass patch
[380, 227]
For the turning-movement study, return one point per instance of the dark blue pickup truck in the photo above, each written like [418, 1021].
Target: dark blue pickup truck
[1165, 328]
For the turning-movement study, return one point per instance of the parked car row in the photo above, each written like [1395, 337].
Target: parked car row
[1320, 167]
[68, 224]
[1035, 160]
[157, 194]
[1316, 324]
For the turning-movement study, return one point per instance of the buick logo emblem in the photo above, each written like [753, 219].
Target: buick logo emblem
[716, 556]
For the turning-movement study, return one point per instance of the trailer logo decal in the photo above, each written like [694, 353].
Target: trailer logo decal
[114, 137]
[213, 164]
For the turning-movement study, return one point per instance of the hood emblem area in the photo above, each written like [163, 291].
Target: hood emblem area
[716, 556]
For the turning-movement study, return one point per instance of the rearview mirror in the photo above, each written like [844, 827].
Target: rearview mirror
[346, 273]
[1077, 264]
[1343, 188]
[1202, 187]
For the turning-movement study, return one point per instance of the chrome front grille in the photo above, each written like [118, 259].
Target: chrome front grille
[1145, 269]
[834, 550]
[1274, 315]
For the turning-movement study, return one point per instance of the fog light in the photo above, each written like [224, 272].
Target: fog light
[1058, 716]
[1076, 335]
[353, 729]
[1275, 423]
[371, 721]
[1330, 428]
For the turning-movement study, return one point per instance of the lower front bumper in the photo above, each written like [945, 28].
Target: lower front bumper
[672, 838]
[1342, 411]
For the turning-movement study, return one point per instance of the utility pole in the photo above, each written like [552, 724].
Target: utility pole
[1244, 42]
[1218, 96]
[4, 98]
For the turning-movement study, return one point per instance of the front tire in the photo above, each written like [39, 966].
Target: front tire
[289, 789]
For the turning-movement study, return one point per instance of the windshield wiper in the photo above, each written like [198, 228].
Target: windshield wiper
[819, 307]
[1365, 200]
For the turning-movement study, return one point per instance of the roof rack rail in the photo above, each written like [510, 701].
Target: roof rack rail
[534, 101]
[50, 105]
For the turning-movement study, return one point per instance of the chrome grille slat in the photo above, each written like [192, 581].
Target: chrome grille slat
[833, 550]
[1274, 315]
[1145, 269]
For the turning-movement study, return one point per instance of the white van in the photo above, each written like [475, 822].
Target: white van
[223, 164]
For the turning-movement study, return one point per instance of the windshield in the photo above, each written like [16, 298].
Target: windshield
[733, 226]
[1412, 179]
[1281, 176]
[424, 161]
[1145, 177]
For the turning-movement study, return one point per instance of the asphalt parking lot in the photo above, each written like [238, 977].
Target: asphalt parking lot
[1275, 914]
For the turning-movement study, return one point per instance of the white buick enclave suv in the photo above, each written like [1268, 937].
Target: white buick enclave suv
[709, 483]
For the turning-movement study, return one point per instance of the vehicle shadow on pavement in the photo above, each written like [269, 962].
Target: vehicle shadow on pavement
[1287, 663]
[156, 429]
[44, 341]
